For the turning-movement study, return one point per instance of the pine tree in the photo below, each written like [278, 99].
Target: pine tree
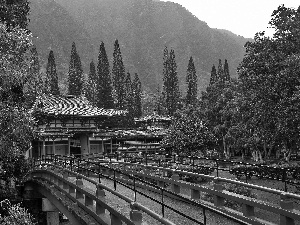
[104, 87]
[191, 80]
[91, 87]
[119, 77]
[35, 84]
[129, 99]
[75, 73]
[137, 96]
[171, 87]
[213, 75]
[226, 71]
[51, 74]
[220, 75]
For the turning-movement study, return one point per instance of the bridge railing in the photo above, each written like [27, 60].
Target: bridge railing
[285, 208]
[93, 203]
[132, 182]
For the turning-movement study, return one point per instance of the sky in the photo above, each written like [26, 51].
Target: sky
[242, 17]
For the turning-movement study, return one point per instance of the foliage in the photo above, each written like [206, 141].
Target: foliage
[16, 215]
[51, 74]
[119, 77]
[91, 86]
[104, 86]
[171, 93]
[269, 76]
[137, 96]
[191, 80]
[75, 73]
[213, 75]
[14, 13]
[188, 133]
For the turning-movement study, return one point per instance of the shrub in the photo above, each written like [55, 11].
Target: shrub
[14, 214]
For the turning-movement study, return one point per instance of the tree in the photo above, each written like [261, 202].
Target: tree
[220, 72]
[170, 83]
[270, 79]
[14, 13]
[75, 73]
[137, 96]
[104, 96]
[119, 77]
[188, 133]
[52, 79]
[91, 87]
[226, 71]
[129, 98]
[213, 75]
[16, 123]
[191, 80]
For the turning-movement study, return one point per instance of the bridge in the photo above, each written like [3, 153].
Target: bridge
[106, 191]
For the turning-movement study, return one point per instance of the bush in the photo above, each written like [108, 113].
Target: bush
[14, 214]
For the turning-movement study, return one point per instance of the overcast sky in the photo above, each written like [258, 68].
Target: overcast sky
[242, 17]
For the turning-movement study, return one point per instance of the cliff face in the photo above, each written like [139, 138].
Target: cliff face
[143, 28]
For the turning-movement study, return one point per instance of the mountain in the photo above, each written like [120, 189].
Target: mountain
[143, 28]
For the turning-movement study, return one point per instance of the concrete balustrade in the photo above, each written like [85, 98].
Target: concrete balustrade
[79, 183]
[115, 220]
[287, 204]
[136, 216]
[66, 177]
[288, 215]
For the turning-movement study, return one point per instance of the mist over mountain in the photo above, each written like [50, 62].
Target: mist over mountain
[143, 28]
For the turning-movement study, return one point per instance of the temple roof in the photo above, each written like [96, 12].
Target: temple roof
[71, 106]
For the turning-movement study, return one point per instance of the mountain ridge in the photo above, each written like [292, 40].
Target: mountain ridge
[143, 28]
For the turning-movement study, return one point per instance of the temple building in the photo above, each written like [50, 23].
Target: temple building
[66, 125]
[71, 125]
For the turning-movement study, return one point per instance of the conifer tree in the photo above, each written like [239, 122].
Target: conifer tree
[220, 75]
[137, 96]
[119, 77]
[129, 95]
[191, 80]
[51, 75]
[91, 87]
[75, 73]
[213, 75]
[171, 86]
[226, 71]
[35, 84]
[104, 87]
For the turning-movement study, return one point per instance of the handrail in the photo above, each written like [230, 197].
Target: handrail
[203, 206]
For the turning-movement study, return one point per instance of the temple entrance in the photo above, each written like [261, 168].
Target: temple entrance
[75, 150]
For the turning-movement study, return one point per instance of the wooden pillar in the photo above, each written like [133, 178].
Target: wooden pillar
[53, 146]
[69, 146]
[44, 148]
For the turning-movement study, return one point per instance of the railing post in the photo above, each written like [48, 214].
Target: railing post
[88, 201]
[65, 176]
[175, 187]
[79, 183]
[136, 216]
[195, 194]
[218, 201]
[286, 204]
[248, 210]
[100, 195]
[115, 220]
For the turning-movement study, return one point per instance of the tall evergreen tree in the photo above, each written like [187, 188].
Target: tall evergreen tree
[191, 80]
[51, 75]
[104, 86]
[220, 74]
[75, 73]
[137, 96]
[213, 75]
[91, 87]
[119, 77]
[129, 99]
[171, 85]
[226, 71]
